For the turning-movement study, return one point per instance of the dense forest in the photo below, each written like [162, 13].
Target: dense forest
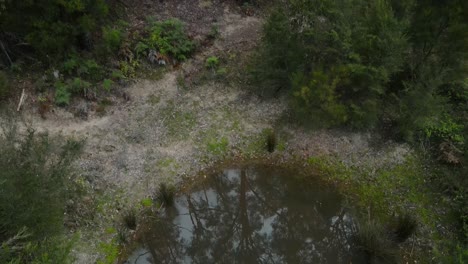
[395, 68]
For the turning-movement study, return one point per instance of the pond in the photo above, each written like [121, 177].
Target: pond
[252, 214]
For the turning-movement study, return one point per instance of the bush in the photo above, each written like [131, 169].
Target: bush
[212, 62]
[52, 28]
[107, 84]
[360, 62]
[169, 38]
[62, 94]
[112, 39]
[87, 69]
[35, 177]
[79, 86]
[315, 99]
[445, 129]
[335, 63]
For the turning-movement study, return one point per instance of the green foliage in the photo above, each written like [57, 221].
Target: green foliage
[359, 62]
[52, 27]
[147, 202]
[78, 85]
[87, 69]
[117, 75]
[452, 253]
[279, 55]
[47, 251]
[71, 65]
[315, 99]
[446, 129]
[169, 38]
[110, 251]
[107, 84]
[141, 49]
[35, 180]
[91, 70]
[212, 62]
[128, 69]
[112, 39]
[62, 94]
[217, 146]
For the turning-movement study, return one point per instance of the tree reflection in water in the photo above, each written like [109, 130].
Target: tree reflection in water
[253, 215]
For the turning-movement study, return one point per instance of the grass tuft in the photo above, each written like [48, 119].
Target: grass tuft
[405, 226]
[373, 240]
[166, 194]
[130, 219]
[271, 141]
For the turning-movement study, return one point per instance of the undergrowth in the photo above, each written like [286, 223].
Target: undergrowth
[400, 190]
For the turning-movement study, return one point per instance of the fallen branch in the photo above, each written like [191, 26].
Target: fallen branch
[20, 101]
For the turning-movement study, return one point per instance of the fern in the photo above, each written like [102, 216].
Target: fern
[169, 38]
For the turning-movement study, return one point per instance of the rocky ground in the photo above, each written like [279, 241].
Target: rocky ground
[182, 123]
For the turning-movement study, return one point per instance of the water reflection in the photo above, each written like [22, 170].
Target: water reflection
[251, 215]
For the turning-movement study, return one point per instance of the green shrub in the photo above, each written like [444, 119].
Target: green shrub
[212, 62]
[117, 75]
[112, 39]
[146, 202]
[36, 171]
[107, 84]
[62, 94]
[373, 56]
[315, 98]
[110, 251]
[446, 129]
[279, 55]
[141, 49]
[87, 69]
[128, 69]
[91, 70]
[52, 28]
[71, 65]
[362, 55]
[169, 38]
[79, 86]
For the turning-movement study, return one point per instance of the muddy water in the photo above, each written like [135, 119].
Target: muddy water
[255, 214]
